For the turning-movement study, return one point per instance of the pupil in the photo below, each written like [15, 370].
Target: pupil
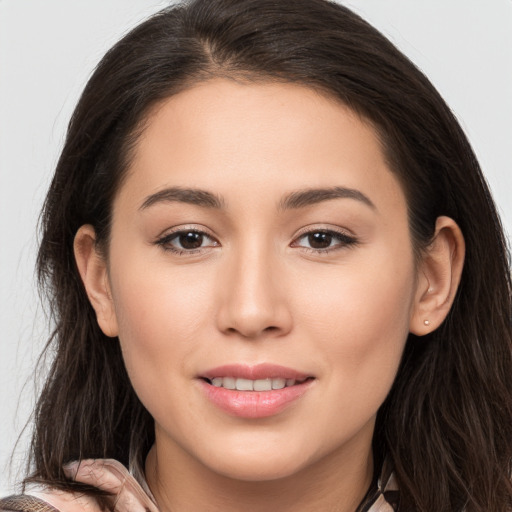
[320, 240]
[191, 240]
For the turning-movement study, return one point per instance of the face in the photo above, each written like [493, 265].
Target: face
[260, 241]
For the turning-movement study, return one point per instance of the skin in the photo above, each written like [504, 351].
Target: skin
[256, 291]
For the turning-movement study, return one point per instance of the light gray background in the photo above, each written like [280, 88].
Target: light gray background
[48, 50]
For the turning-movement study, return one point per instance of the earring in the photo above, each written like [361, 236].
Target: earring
[426, 322]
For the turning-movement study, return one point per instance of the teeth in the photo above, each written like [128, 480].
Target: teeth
[251, 385]
[263, 385]
[280, 383]
[228, 383]
[244, 385]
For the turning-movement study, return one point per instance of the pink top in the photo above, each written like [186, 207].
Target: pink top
[131, 495]
[106, 474]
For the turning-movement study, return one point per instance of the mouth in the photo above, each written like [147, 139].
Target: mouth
[254, 391]
[241, 384]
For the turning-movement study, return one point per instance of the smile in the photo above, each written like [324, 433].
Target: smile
[253, 385]
[254, 392]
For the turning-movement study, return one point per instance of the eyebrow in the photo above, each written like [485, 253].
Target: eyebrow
[292, 201]
[311, 196]
[193, 196]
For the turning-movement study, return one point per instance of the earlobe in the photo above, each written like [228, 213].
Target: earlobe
[93, 271]
[439, 276]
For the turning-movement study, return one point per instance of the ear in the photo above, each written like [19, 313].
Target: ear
[93, 271]
[439, 274]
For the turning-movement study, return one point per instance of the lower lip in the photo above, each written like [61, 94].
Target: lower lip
[254, 404]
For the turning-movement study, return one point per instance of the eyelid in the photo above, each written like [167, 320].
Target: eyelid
[316, 228]
[170, 234]
[346, 238]
[178, 228]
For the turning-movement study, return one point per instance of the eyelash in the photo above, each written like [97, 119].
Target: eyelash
[166, 240]
[344, 241]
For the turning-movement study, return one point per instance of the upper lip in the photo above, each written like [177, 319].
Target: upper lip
[255, 372]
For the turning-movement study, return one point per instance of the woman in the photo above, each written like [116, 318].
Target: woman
[279, 280]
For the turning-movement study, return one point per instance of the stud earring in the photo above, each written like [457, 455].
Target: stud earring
[426, 322]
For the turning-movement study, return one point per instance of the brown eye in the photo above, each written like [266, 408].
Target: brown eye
[186, 241]
[320, 240]
[324, 241]
[190, 240]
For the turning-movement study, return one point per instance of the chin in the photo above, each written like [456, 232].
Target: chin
[257, 459]
[262, 469]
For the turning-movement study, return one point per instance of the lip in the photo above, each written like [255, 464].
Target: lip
[259, 371]
[254, 404]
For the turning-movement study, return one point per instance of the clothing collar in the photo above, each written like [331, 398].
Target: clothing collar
[132, 494]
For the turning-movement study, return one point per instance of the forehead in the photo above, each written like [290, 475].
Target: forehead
[257, 139]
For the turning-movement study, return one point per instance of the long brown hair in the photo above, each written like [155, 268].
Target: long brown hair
[446, 425]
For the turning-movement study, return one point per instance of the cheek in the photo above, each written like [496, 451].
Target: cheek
[160, 314]
[370, 294]
[360, 323]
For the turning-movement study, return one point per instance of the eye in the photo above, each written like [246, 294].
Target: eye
[323, 240]
[186, 241]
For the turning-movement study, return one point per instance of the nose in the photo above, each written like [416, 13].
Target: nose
[254, 302]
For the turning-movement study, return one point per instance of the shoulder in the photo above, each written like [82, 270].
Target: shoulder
[127, 494]
[49, 501]
[25, 503]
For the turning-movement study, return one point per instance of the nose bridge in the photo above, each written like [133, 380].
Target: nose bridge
[254, 298]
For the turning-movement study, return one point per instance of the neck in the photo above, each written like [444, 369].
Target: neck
[182, 484]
